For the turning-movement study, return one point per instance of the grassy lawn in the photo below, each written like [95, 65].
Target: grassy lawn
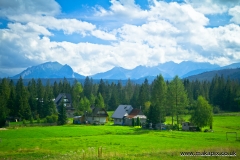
[117, 142]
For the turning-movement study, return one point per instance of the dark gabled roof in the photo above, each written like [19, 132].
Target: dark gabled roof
[59, 97]
[95, 112]
[136, 112]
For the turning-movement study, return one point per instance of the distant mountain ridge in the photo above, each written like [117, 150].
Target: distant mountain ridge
[168, 70]
[48, 70]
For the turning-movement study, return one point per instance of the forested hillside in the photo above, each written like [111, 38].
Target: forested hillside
[36, 100]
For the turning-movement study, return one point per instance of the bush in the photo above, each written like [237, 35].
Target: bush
[51, 119]
[38, 120]
[216, 109]
[31, 120]
[54, 118]
[24, 122]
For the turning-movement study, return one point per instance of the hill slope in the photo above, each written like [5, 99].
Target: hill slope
[231, 73]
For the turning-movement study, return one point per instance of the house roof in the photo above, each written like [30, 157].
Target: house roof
[59, 97]
[121, 111]
[136, 113]
[99, 112]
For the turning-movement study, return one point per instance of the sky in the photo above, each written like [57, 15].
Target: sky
[95, 36]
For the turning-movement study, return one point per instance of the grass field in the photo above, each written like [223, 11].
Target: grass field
[117, 142]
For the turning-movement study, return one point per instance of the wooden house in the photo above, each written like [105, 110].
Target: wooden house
[67, 102]
[97, 116]
[124, 114]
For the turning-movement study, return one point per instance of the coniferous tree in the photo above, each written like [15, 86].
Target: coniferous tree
[32, 89]
[22, 100]
[76, 95]
[87, 88]
[144, 94]
[99, 102]
[4, 96]
[158, 100]
[55, 89]
[177, 98]
[49, 107]
[62, 114]
[39, 98]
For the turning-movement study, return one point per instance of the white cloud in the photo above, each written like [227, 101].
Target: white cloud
[103, 35]
[36, 7]
[124, 9]
[167, 32]
[235, 12]
[212, 6]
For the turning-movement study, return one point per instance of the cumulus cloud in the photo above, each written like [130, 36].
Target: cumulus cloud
[36, 7]
[122, 9]
[235, 13]
[212, 6]
[167, 32]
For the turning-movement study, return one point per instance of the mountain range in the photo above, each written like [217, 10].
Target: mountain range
[168, 71]
[48, 70]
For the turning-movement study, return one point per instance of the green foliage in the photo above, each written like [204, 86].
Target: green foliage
[202, 114]
[62, 115]
[216, 110]
[99, 102]
[157, 111]
[51, 119]
[177, 98]
[138, 121]
[133, 122]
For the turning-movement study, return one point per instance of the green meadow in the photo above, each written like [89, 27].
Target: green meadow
[118, 142]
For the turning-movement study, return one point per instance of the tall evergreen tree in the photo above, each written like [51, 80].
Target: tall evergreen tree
[39, 98]
[144, 94]
[99, 102]
[4, 96]
[87, 88]
[158, 99]
[32, 89]
[76, 95]
[62, 114]
[177, 98]
[22, 100]
[49, 107]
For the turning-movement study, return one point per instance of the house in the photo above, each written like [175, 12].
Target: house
[124, 114]
[135, 113]
[120, 113]
[98, 116]
[187, 126]
[67, 102]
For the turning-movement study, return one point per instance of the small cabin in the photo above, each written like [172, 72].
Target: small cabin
[188, 126]
[77, 120]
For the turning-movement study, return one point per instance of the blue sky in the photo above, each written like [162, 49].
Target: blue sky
[94, 36]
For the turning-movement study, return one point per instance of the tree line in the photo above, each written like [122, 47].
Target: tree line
[158, 99]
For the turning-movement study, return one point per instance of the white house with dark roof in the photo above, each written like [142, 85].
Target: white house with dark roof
[120, 113]
[67, 102]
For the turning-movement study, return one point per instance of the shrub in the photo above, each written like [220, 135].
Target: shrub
[38, 120]
[133, 122]
[24, 122]
[31, 120]
[216, 109]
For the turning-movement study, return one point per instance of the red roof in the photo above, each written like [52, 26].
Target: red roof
[134, 113]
